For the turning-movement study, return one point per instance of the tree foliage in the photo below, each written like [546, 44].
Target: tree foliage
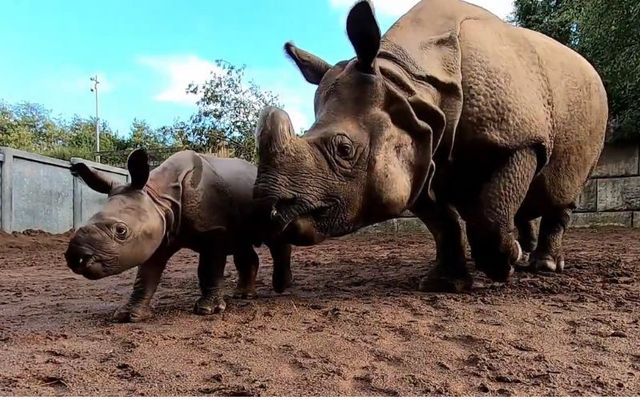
[31, 127]
[607, 34]
[228, 110]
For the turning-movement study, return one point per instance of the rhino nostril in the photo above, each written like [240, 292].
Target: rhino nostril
[77, 258]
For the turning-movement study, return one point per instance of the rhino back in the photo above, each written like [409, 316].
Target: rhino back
[214, 194]
[238, 175]
[515, 87]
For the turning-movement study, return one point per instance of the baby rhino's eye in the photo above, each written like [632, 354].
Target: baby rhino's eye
[121, 231]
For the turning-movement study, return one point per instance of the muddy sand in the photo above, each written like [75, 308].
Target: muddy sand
[354, 324]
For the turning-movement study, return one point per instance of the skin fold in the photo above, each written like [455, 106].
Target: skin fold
[454, 115]
[192, 201]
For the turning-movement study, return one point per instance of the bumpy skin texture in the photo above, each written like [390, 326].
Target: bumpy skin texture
[452, 114]
[190, 201]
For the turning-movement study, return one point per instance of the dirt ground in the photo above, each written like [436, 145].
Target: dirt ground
[353, 325]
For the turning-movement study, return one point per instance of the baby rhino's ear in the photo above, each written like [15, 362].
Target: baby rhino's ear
[138, 166]
[94, 179]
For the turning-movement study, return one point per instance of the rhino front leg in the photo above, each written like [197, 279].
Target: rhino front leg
[147, 279]
[211, 279]
[490, 216]
[450, 273]
[246, 261]
[548, 255]
[282, 278]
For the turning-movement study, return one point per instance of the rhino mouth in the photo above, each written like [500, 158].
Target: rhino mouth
[86, 263]
[325, 219]
[283, 214]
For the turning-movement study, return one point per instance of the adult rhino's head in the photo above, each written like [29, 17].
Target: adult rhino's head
[128, 229]
[369, 153]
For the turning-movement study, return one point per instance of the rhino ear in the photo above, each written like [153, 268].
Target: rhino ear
[312, 67]
[94, 179]
[138, 166]
[364, 34]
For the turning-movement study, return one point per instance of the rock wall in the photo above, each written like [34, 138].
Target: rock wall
[612, 195]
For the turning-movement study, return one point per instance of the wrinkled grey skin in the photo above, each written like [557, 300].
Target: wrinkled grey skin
[190, 201]
[452, 114]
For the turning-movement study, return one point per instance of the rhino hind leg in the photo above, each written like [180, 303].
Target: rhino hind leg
[548, 256]
[490, 217]
[211, 280]
[528, 240]
[246, 261]
[450, 273]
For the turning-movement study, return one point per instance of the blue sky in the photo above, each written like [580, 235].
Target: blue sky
[146, 52]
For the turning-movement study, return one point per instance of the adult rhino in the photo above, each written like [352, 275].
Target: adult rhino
[453, 112]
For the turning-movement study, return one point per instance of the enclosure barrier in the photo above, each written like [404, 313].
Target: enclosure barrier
[40, 193]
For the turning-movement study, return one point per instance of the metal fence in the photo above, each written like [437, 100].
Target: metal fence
[156, 155]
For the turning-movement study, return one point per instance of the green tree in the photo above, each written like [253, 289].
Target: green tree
[228, 111]
[142, 135]
[605, 32]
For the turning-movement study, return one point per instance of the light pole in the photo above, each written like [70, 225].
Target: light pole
[94, 89]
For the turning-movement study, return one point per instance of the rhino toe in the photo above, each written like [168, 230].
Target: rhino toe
[544, 263]
[210, 305]
[437, 283]
[131, 313]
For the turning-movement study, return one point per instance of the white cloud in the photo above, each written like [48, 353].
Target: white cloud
[396, 8]
[179, 71]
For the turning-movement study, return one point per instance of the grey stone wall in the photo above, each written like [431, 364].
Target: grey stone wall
[612, 195]
[39, 192]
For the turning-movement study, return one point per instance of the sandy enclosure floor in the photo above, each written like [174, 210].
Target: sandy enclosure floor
[353, 325]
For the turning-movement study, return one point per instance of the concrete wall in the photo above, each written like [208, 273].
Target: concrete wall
[612, 195]
[40, 193]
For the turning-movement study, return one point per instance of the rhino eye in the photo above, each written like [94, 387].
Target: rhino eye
[343, 147]
[121, 231]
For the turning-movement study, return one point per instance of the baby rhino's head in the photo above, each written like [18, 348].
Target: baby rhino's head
[126, 232]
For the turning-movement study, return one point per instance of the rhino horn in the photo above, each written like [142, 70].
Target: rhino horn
[274, 131]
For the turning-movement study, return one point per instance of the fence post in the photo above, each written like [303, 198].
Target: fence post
[77, 203]
[6, 194]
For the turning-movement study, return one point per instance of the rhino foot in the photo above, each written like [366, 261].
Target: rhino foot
[499, 275]
[282, 283]
[244, 293]
[523, 261]
[439, 281]
[207, 305]
[132, 313]
[546, 263]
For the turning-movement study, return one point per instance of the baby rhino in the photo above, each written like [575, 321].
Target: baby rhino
[190, 201]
